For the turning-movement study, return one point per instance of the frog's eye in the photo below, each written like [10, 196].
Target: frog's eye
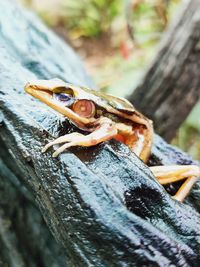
[64, 98]
[85, 108]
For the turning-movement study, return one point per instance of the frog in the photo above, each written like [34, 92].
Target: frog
[101, 117]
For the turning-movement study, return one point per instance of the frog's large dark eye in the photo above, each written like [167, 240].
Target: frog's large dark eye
[85, 108]
[63, 97]
[66, 99]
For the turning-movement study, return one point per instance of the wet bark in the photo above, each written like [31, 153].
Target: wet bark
[25, 239]
[171, 85]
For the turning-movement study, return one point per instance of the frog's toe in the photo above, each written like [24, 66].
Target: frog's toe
[44, 149]
[61, 149]
[62, 139]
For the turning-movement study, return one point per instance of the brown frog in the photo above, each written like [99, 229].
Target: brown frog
[105, 117]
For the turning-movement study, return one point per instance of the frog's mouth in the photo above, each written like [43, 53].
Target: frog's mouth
[48, 95]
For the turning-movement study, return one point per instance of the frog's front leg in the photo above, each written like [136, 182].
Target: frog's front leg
[170, 174]
[62, 139]
[105, 131]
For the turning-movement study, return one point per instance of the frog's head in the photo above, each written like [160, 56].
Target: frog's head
[63, 98]
[81, 105]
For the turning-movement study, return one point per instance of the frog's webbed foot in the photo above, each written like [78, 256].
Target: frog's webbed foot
[104, 132]
[170, 174]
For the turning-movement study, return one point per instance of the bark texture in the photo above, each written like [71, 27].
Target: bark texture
[102, 204]
[171, 85]
[25, 240]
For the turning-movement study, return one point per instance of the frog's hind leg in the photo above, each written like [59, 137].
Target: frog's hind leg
[170, 174]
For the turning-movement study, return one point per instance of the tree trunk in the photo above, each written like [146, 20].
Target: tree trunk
[171, 85]
[25, 239]
[101, 204]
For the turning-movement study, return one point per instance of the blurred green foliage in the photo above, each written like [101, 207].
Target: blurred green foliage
[89, 17]
[149, 19]
[188, 136]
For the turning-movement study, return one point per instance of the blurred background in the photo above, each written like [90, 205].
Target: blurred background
[116, 40]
